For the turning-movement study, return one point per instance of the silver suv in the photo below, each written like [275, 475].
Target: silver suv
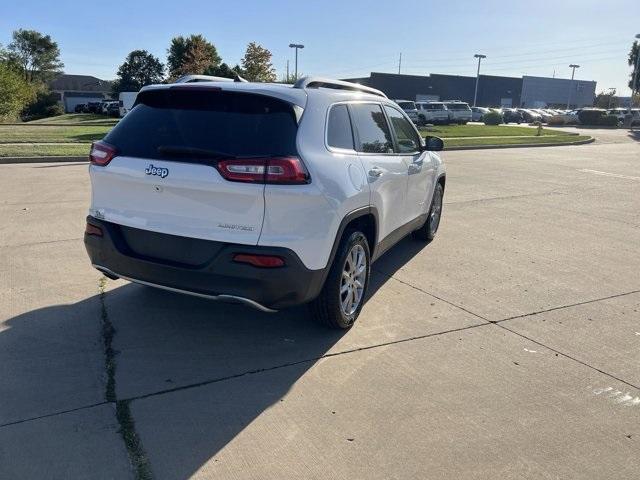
[460, 111]
[410, 109]
[433, 112]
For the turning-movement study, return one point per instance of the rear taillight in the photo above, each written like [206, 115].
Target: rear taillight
[280, 170]
[262, 261]
[101, 153]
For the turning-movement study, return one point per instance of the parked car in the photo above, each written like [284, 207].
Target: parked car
[433, 112]
[301, 188]
[478, 112]
[93, 107]
[620, 113]
[529, 115]
[511, 115]
[460, 111]
[126, 101]
[544, 116]
[113, 110]
[565, 118]
[410, 109]
[80, 108]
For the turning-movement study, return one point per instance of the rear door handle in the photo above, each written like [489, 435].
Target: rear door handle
[376, 172]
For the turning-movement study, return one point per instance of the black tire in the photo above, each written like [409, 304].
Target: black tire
[327, 308]
[428, 230]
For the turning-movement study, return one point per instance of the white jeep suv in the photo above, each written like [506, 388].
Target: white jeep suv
[266, 194]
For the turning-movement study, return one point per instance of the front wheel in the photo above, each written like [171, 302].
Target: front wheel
[342, 295]
[428, 231]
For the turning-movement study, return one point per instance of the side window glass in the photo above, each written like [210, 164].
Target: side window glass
[339, 134]
[373, 130]
[408, 140]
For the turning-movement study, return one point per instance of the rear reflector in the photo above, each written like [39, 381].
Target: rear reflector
[262, 261]
[93, 230]
[101, 153]
[279, 170]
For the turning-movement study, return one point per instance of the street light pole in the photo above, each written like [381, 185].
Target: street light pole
[297, 46]
[635, 72]
[573, 72]
[475, 95]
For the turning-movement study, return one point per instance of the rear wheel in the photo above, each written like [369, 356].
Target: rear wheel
[342, 295]
[428, 231]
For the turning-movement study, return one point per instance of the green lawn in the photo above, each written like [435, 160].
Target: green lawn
[459, 142]
[76, 119]
[455, 131]
[31, 150]
[27, 133]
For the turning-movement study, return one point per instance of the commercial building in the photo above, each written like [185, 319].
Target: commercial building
[75, 89]
[492, 90]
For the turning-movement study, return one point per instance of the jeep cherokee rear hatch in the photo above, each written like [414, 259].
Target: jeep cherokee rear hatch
[194, 162]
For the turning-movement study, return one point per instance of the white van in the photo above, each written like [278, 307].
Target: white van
[126, 101]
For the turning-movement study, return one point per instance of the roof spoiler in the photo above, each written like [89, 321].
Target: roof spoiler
[320, 82]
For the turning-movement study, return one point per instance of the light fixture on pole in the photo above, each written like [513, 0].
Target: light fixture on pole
[297, 46]
[573, 72]
[475, 95]
[635, 72]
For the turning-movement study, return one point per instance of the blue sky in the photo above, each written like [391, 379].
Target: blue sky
[350, 38]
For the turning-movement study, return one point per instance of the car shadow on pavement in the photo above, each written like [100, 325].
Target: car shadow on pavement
[635, 134]
[195, 372]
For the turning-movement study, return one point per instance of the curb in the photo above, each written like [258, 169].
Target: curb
[10, 160]
[521, 145]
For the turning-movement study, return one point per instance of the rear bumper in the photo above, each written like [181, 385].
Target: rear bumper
[201, 267]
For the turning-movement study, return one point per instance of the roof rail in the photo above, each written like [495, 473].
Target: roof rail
[202, 78]
[320, 82]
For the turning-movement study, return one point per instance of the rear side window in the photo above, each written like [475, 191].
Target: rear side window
[373, 131]
[339, 134]
[407, 105]
[192, 123]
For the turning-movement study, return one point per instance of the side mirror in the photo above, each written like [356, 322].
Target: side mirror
[433, 144]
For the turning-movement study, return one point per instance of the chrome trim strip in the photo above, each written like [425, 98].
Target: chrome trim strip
[234, 298]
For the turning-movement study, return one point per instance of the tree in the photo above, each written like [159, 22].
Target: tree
[191, 56]
[16, 93]
[140, 68]
[223, 70]
[256, 64]
[633, 61]
[606, 100]
[37, 55]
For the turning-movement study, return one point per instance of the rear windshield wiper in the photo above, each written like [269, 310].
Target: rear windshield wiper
[180, 151]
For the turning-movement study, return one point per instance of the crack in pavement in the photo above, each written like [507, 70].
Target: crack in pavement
[42, 243]
[552, 309]
[137, 456]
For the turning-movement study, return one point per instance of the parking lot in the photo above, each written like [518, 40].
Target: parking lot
[507, 348]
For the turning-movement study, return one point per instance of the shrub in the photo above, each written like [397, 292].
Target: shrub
[45, 105]
[15, 93]
[492, 118]
[591, 117]
[609, 121]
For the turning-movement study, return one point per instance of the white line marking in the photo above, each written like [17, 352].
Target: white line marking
[607, 174]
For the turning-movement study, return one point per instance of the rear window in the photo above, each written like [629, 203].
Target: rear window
[458, 106]
[236, 124]
[407, 105]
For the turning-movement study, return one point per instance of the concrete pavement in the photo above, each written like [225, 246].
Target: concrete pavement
[508, 348]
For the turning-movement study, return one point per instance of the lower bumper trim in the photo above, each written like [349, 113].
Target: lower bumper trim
[222, 297]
